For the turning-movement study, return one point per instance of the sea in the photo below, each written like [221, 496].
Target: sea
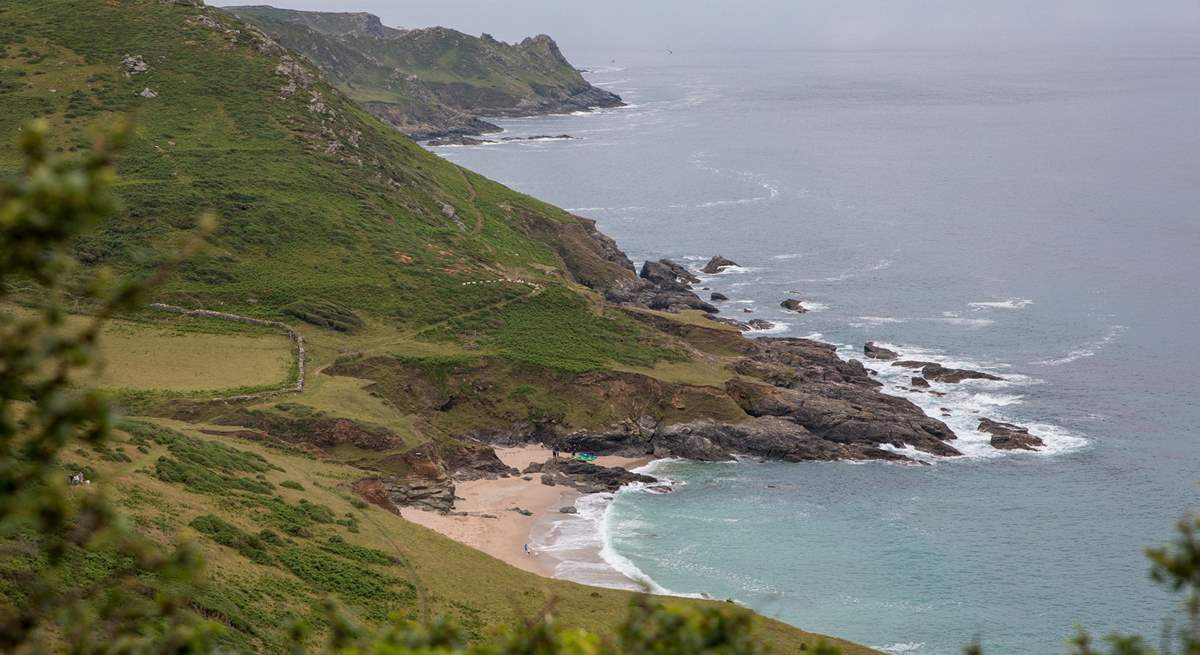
[1031, 214]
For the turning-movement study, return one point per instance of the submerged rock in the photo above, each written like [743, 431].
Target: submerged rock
[717, 295]
[1006, 436]
[794, 305]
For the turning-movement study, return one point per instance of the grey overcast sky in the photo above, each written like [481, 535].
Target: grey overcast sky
[596, 25]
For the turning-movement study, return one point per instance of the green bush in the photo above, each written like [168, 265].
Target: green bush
[326, 314]
[250, 546]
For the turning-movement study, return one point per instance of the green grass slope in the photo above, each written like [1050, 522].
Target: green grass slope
[280, 531]
[431, 80]
[318, 201]
[432, 300]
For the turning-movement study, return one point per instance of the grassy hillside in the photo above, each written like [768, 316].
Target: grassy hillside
[280, 531]
[318, 201]
[432, 301]
[432, 80]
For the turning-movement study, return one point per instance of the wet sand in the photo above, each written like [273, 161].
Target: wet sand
[485, 518]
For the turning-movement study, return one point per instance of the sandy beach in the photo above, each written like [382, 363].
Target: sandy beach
[505, 536]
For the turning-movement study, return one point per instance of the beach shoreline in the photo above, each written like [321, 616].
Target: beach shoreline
[502, 517]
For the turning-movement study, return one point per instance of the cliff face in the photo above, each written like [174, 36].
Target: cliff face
[435, 81]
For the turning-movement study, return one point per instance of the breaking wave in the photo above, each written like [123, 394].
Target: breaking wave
[962, 405]
[1088, 350]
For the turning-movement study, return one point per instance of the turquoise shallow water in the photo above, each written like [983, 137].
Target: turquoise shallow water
[1031, 214]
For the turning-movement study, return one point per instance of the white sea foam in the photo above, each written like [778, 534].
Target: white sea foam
[964, 322]
[581, 543]
[875, 321]
[1009, 303]
[814, 306]
[1087, 350]
[792, 255]
[961, 406]
[879, 265]
[777, 327]
[903, 647]
[770, 187]
[727, 270]
[581, 547]
[601, 70]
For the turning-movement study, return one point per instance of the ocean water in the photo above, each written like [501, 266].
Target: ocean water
[1037, 215]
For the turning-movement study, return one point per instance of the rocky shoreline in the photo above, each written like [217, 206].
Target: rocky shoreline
[800, 401]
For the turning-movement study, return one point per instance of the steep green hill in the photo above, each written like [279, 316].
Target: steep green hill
[432, 303]
[318, 200]
[432, 81]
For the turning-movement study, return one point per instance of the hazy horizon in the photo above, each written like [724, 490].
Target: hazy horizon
[1091, 25]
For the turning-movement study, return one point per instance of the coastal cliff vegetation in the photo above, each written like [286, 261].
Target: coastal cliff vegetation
[217, 474]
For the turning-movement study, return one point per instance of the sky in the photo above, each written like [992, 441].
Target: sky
[594, 26]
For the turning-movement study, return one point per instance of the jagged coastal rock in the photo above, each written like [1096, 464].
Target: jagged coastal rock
[1006, 436]
[717, 296]
[588, 478]
[431, 492]
[793, 305]
[807, 403]
[717, 263]
[937, 373]
[878, 352]
[665, 286]
[464, 140]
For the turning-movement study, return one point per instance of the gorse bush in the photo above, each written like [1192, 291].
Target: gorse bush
[77, 578]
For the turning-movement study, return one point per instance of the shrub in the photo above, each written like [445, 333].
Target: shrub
[250, 546]
[326, 314]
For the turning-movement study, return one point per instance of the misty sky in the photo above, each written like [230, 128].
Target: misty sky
[594, 26]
